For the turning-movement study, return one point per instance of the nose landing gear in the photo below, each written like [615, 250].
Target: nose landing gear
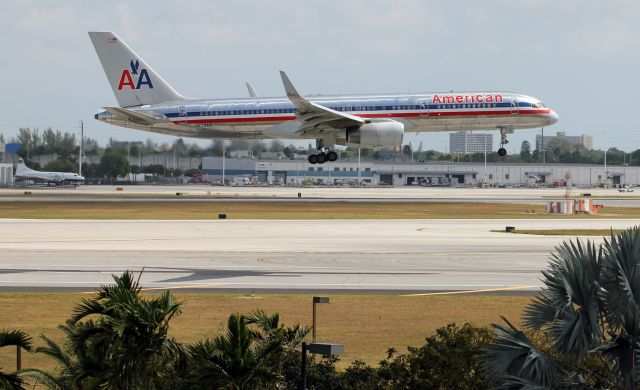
[503, 141]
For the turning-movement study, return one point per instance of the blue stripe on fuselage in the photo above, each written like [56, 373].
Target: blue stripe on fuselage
[364, 107]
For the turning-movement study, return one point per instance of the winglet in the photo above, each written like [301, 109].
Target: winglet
[288, 86]
[252, 91]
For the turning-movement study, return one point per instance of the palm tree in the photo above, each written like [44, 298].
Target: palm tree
[236, 360]
[117, 340]
[590, 304]
[80, 366]
[269, 327]
[20, 340]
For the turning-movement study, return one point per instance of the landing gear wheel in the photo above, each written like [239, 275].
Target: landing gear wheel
[332, 156]
[503, 141]
[321, 158]
[313, 159]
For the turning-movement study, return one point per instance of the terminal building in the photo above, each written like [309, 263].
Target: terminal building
[344, 172]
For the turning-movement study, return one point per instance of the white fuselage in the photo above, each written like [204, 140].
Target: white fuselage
[276, 117]
[25, 173]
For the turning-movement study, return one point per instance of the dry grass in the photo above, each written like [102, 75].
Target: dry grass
[176, 210]
[367, 324]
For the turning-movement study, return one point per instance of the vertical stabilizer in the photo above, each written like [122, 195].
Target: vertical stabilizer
[21, 168]
[133, 81]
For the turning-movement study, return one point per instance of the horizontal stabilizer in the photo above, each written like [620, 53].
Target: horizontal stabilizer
[137, 117]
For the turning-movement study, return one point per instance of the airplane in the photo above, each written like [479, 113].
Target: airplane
[25, 173]
[147, 102]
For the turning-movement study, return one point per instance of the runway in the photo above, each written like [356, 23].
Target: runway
[391, 256]
[328, 192]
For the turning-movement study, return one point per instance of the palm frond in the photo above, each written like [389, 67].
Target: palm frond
[45, 379]
[11, 381]
[512, 354]
[17, 338]
[54, 351]
[621, 281]
[569, 304]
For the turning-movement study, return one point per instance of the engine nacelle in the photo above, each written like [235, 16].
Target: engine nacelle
[384, 133]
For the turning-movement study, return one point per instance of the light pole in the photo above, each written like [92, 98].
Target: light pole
[544, 152]
[359, 180]
[606, 175]
[325, 349]
[223, 156]
[81, 148]
[485, 163]
[317, 300]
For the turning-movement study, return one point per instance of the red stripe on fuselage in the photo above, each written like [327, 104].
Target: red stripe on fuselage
[388, 115]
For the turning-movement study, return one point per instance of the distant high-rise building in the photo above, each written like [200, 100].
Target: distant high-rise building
[585, 140]
[467, 142]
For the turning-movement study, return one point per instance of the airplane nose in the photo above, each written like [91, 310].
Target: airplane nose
[553, 117]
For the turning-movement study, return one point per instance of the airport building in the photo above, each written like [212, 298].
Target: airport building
[343, 172]
[585, 140]
[467, 142]
[6, 175]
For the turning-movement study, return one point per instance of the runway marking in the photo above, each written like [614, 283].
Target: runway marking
[471, 291]
[185, 286]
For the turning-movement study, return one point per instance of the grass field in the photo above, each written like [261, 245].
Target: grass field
[367, 324]
[175, 210]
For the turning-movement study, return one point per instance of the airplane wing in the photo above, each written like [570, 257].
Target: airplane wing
[315, 117]
[137, 117]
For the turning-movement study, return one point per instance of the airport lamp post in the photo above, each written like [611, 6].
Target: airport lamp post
[359, 180]
[325, 349]
[317, 300]
[81, 147]
[485, 162]
[606, 175]
[544, 152]
[223, 156]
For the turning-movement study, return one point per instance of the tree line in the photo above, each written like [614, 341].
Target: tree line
[66, 147]
[581, 331]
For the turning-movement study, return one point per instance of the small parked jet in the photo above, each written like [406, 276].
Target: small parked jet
[25, 173]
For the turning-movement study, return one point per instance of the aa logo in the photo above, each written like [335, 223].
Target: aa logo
[142, 77]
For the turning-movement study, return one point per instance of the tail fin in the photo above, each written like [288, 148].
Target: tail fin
[21, 168]
[133, 81]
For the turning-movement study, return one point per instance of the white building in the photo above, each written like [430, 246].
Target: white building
[297, 172]
[467, 142]
[6, 175]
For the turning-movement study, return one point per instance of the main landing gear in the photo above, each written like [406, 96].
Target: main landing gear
[323, 157]
[503, 141]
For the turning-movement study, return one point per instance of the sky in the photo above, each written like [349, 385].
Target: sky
[581, 58]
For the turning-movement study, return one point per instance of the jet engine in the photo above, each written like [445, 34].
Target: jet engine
[382, 133]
